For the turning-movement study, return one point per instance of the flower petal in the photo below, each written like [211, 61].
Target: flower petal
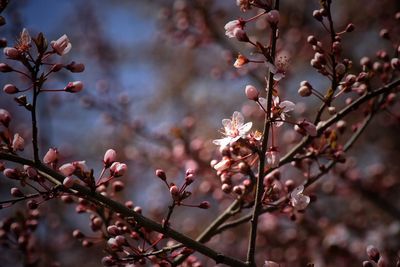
[238, 118]
[227, 123]
[287, 106]
[271, 67]
[278, 76]
[245, 128]
[298, 190]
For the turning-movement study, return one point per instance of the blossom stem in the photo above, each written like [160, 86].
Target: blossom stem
[255, 17]
[267, 124]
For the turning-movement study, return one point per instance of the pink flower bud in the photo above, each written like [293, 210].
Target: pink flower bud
[252, 92]
[10, 89]
[62, 45]
[231, 26]
[68, 182]
[395, 63]
[5, 117]
[304, 91]
[16, 192]
[109, 157]
[340, 69]
[273, 17]
[373, 253]
[74, 87]
[11, 52]
[5, 68]
[18, 142]
[118, 169]
[240, 35]
[57, 67]
[174, 190]
[75, 67]
[51, 156]
[312, 40]
[11, 173]
[204, 205]
[161, 174]
[67, 169]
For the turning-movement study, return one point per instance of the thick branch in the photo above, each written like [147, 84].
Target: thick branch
[126, 212]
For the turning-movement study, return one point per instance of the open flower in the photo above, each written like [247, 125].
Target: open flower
[24, 42]
[279, 109]
[62, 45]
[298, 200]
[234, 129]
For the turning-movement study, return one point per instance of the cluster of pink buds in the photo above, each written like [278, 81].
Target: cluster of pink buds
[23, 52]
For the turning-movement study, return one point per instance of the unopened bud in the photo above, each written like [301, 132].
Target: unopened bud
[109, 157]
[373, 253]
[204, 205]
[273, 17]
[312, 40]
[252, 92]
[51, 156]
[5, 67]
[16, 192]
[304, 91]
[74, 87]
[317, 15]
[161, 174]
[10, 89]
[240, 35]
[5, 117]
[75, 67]
[11, 52]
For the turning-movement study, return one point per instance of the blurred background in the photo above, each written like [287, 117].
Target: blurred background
[159, 79]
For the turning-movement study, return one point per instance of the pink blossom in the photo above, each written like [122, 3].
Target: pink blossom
[62, 45]
[118, 169]
[67, 169]
[109, 157]
[68, 181]
[51, 156]
[298, 200]
[18, 142]
[233, 25]
[306, 127]
[279, 109]
[234, 129]
[74, 87]
[80, 165]
[5, 117]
